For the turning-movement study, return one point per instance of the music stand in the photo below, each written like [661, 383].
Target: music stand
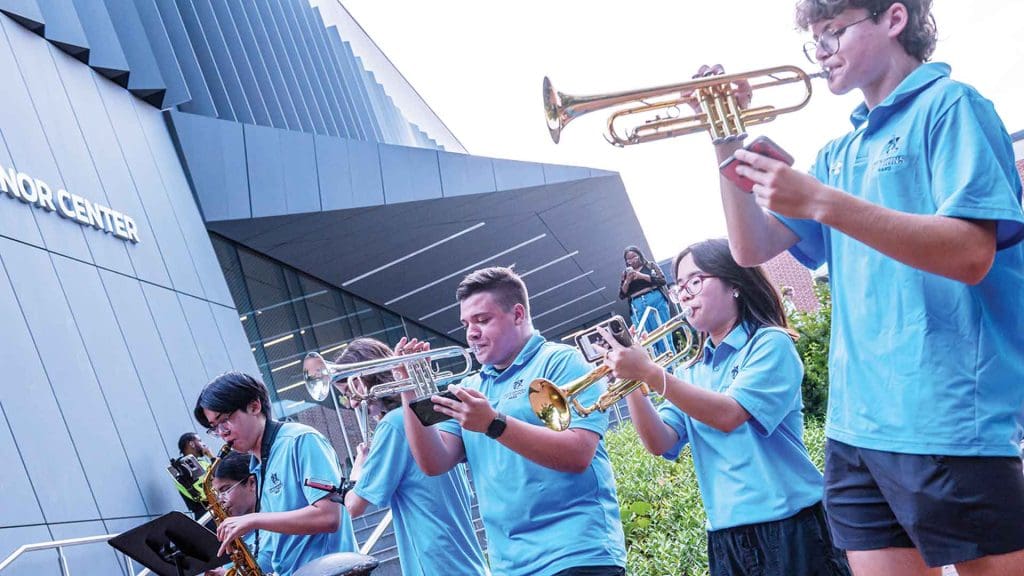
[171, 545]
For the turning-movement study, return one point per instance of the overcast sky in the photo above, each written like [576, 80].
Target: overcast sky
[479, 66]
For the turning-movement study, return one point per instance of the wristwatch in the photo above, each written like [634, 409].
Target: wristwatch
[497, 426]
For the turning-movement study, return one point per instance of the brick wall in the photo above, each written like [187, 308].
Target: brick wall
[784, 271]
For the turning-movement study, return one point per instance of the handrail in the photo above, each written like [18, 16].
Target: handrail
[376, 534]
[58, 544]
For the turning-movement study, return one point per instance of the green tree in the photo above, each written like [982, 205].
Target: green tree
[815, 328]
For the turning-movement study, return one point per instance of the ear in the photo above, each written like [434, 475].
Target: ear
[254, 406]
[898, 17]
[519, 314]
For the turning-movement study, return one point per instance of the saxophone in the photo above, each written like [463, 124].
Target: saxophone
[245, 564]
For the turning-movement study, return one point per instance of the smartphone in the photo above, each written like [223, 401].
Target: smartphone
[424, 408]
[762, 145]
[592, 343]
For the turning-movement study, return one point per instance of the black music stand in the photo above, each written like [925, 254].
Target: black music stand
[171, 545]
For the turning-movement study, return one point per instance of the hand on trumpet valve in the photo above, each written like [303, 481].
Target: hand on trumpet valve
[626, 362]
[408, 346]
[740, 88]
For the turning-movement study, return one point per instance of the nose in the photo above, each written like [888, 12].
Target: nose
[820, 52]
[472, 332]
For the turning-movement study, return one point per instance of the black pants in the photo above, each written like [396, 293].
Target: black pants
[800, 545]
[593, 571]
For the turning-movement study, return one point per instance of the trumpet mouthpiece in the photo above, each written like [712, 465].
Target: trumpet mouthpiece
[687, 311]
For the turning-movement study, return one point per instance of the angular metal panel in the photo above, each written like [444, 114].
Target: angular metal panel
[213, 153]
[30, 403]
[94, 312]
[409, 173]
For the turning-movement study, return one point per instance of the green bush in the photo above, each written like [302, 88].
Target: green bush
[815, 329]
[662, 513]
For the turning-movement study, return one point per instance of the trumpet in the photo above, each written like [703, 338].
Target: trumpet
[551, 403]
[319, 374]
[721, 114]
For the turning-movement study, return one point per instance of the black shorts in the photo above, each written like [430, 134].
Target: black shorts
[951, 508]
[796, 546]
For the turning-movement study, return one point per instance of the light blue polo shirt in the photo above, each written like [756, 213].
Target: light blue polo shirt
[432, 515]
[299, 452]
[759, 472]
[922, 364]
[540, 521]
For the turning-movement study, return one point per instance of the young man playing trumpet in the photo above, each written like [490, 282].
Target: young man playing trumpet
[432, 515]
[547, 498]
[917, 212]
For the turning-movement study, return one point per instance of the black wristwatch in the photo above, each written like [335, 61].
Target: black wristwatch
[497, 426]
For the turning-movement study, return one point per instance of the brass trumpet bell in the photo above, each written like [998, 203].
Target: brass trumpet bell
[656, 113]
[551, 403]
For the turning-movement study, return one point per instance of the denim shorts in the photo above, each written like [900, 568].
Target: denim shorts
[796, 546]
[951, 508]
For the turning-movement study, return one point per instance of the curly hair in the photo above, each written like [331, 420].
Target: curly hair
[918, 38]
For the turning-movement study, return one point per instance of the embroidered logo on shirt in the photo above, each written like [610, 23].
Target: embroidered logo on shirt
[735, 371]
[836, 168]
[517, 390]
[275, 484]
[890, 158]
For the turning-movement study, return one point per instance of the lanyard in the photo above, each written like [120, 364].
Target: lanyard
[269, 433]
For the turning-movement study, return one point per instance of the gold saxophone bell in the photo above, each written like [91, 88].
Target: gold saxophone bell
[656, 113]
[551, 403]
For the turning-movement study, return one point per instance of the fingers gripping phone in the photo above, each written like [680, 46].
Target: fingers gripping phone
[592, 344]
[762, 145]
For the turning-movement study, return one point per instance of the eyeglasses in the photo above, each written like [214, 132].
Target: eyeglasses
[693, 286]
[217, 427]
[829, 40]
[224, 493]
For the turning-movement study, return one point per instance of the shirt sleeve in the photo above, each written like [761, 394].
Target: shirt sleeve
[975, 175]
[676, 420]
[385, 465]
[767, 381]
[315, 458]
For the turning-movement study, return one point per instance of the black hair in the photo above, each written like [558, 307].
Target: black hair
[758, 301]
[918, 38]
[184, 439]
[363, 349]
[636, 250]
[508, 288]
[229, 392]
[234, 466]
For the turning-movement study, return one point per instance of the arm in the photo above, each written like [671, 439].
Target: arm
[715, 409]
[435, 452]
[956, 248]
[755, 236]
[355, 504]
[656, 436]
[569, 451]
[318, 517]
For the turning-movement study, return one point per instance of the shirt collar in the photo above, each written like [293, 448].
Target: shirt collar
[529, 350]
[736, 339]
[916, 81]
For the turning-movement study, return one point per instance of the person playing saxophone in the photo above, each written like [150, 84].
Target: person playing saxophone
[234, 487]
[293, 524]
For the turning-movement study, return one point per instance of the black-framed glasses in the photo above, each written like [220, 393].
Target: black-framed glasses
[829, 40]
[217, 426]
[693, 286]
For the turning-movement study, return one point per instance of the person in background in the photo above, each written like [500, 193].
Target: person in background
[643, 286]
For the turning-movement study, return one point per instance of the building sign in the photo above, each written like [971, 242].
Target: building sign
[70, 206]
